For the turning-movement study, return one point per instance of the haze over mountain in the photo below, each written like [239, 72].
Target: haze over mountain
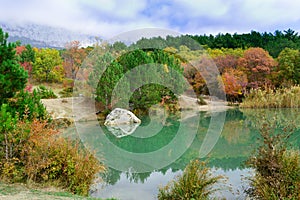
[44, 36]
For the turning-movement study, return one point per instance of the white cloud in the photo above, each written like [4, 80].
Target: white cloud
[269, 12]
[54, 12]
[111, 29]
[198, 8]
[101, 17]
[118, 8]
[110, 17]
[243, 16]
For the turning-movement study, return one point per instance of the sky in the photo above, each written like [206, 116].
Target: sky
[107, 18]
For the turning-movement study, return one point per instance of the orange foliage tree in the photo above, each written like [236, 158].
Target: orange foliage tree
[235, 82]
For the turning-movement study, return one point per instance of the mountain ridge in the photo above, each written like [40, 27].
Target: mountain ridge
[43, 36]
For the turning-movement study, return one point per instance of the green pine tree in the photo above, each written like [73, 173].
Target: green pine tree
[13, 77]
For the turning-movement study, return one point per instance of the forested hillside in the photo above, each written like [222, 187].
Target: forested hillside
[245, 61]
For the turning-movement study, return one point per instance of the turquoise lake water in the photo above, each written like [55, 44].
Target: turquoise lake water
[163, 145]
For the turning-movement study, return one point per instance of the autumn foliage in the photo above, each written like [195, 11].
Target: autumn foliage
[26, 57]
[226, 62]
[73, 57]
[244, 62]
[40, 155]
[257, 63]
[235, 82]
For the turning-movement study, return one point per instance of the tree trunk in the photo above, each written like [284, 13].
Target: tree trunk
[106, 102]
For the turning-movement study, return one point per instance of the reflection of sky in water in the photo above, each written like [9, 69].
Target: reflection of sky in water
[237, 181]
[126, 190]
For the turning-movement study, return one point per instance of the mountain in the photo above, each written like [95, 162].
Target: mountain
[44, 36]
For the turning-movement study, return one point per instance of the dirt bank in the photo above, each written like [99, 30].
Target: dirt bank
[83, 109]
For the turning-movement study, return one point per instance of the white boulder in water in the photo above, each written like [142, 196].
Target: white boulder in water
[121, 116]
[121, 122]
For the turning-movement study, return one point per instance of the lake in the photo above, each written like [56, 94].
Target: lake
[159, 149]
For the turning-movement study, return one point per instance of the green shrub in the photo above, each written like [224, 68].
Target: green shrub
[66, 92]
[12, 140]
[28, 105]
[277, 168]
[195, 183]
[44, 93]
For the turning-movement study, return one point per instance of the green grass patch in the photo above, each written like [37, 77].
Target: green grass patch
[34, 191]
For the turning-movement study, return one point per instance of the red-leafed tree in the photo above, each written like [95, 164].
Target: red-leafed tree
[20, 49]
[226, 62]
[26, 57]
[257, 63]
[73, 57]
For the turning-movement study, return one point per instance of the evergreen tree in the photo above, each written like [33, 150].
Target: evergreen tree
[13, 77]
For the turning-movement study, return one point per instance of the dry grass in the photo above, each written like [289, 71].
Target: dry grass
[277, 167]
[280, 98]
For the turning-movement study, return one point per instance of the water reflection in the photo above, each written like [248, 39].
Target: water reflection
[136, 153]
[122, 130]
[124, 189]
[235, 144]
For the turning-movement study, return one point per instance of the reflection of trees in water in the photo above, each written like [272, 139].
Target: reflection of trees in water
[280, 118]
[235, 141]
[137, 177]
[144, 145]
[235, 145]
[111, 176]
[235, 132]
[234, 129]
[228, 163]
